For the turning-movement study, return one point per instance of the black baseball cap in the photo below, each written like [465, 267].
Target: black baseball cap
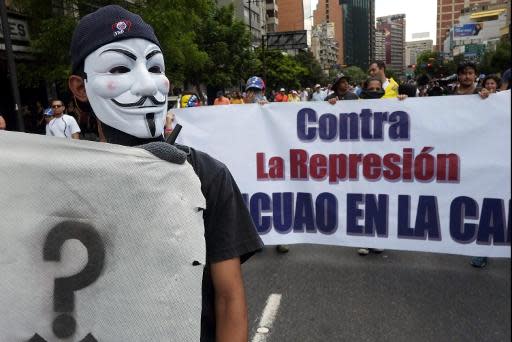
[106, 25]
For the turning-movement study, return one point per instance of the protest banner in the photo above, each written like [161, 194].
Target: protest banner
[97, 243]
[423, 174]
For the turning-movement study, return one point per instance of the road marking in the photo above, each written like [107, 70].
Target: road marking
[267, 318]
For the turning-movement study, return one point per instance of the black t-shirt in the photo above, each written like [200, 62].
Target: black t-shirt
[453, 91]
[347, 96]
[229, 230]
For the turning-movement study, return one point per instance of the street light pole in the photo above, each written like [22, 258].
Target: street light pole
[263, 42]
[250, 20]
[11, 66]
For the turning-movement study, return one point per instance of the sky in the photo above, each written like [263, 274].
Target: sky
[420, 15]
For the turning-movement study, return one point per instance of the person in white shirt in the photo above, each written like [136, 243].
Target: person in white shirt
[318, 94]
[62, 125]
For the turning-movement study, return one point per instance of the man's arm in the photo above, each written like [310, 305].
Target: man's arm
[75, 129]
[230, 304]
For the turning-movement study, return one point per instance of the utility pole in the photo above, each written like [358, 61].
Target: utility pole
[11, 66]
[250, 20]
[263, 43]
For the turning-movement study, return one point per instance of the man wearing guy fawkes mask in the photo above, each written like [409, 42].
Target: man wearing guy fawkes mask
[118, 69]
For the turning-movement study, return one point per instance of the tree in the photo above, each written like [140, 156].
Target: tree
[314, 73]
[51, 29]
[176, 23]
[496, 61]
[355, 73]
[282, 70]
[227, 44]
[428, 62]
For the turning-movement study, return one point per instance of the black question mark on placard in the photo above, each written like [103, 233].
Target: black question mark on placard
[64, 325]
[37, 338]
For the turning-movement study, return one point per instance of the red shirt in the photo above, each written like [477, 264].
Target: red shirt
[281, 98]
[221, 101]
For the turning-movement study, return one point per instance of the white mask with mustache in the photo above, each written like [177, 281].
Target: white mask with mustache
[127, 88]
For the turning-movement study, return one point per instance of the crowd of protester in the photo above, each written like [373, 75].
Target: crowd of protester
[377, 85]
[73, 122]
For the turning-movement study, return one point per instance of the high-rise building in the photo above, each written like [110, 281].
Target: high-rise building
[272, 17]
[415, 48]
[479, 29]
[393, 27]
[380, 45]
[323, 45]
[291, 16]
[252, 13]
[330, 11]
[448, 13]
[358, 31]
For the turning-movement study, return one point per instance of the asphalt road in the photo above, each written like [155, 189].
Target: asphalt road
[331, 293]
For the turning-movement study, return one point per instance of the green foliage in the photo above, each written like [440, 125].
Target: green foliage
[428, 62]
[51, 37]
[175, 24]
[496, 61]
[201, 43]
[226, 42]
[282, 70]
[314, 73]
[356, 74]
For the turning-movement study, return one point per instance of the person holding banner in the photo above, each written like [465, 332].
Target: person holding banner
[491, 82]
[340, 88]
[118, 69]
[377, 69]
[254, 91]
[466, 85]
[466, 74]
[3, 126]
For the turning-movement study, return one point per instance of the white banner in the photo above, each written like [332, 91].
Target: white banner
[97, 243]
[424, 174]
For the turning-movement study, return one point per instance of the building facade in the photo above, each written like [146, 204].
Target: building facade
[329, 11]
[380, 45]
[252, 13]
[479, 28]
[291, 17]
[323, 45]
[393, 27]
[415, 48]
[271, 15]
[449, 11]
[358, 32]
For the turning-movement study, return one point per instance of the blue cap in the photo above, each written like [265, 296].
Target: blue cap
[255, 82]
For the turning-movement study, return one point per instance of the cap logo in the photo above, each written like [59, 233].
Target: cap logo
[121, 26]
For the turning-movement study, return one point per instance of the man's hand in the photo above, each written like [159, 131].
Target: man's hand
[333, 100]
[230, 305]
[169, 119]
[402, 97]
[484, 93]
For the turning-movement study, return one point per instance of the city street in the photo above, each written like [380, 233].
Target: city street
[331, 293]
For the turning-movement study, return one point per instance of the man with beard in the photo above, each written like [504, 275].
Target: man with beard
[466, 85]
[118, 69]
